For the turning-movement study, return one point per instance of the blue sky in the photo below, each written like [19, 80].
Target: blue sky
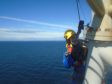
[40, 19]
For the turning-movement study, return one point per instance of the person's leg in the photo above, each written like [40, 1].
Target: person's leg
[78, 75]
[74, 78]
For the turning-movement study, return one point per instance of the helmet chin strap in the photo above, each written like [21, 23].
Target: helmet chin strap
[74, 41]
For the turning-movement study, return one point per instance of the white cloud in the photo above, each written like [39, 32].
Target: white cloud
[25, 35]
[35, 22]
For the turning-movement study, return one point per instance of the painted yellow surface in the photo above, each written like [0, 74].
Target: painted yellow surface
[101, 20]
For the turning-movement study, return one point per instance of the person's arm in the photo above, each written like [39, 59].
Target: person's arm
[67, 60]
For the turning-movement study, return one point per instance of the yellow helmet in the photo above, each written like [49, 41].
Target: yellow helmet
[69, 33]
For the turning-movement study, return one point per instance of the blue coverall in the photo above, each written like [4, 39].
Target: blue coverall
[78, 71]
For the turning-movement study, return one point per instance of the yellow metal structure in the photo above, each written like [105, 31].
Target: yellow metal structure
[101, 20]
[100, 43]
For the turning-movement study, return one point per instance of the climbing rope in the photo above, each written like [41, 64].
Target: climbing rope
[77, 2]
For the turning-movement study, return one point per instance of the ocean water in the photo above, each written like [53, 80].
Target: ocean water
[33, 63]
[38, 62]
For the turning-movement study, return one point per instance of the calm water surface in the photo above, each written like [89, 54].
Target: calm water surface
[35, 63]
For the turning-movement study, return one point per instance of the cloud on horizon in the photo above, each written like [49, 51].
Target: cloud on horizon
[28, 35]
[25, 34]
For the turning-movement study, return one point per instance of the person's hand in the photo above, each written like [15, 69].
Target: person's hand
[67, 54]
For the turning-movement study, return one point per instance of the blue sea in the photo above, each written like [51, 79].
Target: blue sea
[35, 62]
